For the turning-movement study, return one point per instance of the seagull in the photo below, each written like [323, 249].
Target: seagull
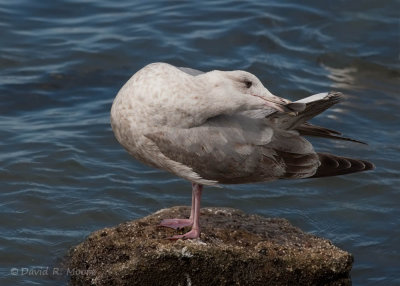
[222, 127]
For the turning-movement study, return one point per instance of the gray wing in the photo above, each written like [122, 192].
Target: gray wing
[238, 149]
[190, 71]
[257, 146]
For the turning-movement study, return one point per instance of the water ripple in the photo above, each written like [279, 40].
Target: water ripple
[63, 175]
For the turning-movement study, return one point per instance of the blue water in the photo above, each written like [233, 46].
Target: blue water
[63, 175]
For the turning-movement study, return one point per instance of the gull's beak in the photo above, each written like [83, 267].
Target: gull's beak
[275, 102]
[281, 104]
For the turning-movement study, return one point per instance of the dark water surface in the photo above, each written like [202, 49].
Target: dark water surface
[63, 175]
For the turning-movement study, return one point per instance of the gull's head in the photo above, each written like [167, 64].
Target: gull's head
[243, 88]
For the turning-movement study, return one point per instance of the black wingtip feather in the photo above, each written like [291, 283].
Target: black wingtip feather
[332, 165]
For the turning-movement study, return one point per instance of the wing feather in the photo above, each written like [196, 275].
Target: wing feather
[257, 146]
[238, 149]
[190, 71]
[332, 165]
[307, 129]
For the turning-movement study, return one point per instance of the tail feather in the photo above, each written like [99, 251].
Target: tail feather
[332, 165]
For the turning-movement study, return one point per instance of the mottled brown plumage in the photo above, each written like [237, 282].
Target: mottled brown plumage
[222, 128]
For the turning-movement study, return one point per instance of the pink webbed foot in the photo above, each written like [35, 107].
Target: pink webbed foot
[176, 223]
[192, 221]
[194, 233]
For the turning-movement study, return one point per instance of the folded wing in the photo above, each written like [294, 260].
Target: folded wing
[258, 146]
[238, 149]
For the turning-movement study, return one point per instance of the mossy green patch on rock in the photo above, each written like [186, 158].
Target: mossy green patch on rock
[234, 249]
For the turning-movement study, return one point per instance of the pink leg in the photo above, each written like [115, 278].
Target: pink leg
[195, 214]
[178, 223]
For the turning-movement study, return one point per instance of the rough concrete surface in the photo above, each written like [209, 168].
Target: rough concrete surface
[234, 249]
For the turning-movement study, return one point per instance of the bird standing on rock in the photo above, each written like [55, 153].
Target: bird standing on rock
[221, 127]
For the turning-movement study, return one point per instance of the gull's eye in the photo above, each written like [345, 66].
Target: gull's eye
[248, 83]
